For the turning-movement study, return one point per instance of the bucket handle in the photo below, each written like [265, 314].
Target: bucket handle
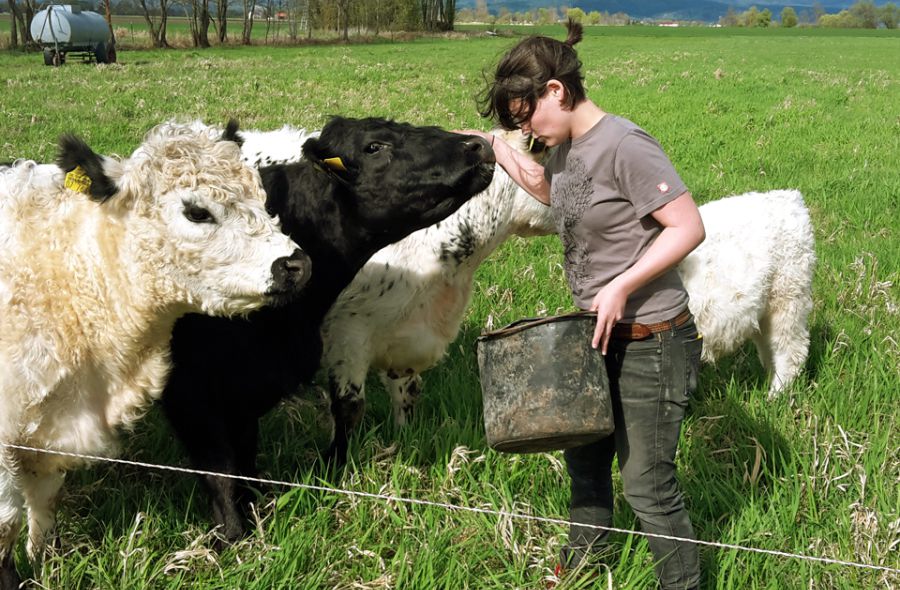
[525, 323]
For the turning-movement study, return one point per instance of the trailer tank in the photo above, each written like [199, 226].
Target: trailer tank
[66, 28]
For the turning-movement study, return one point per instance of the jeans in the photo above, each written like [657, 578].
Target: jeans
[651, 381]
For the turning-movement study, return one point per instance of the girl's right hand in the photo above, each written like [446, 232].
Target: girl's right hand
[609, 303]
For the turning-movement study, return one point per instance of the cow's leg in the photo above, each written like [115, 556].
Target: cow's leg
[11, 503]
[217, 454]
[9, 578]
[204, 433]
[763, 347]
[405, 391]
[245, 440]
[227, 517]
[348, 404]
[786, 333]
[41, 494]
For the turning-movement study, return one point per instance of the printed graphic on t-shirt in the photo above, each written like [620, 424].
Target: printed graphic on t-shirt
[571, 196]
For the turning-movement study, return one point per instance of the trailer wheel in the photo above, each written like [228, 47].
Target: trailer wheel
[48, 56]
[58, 58]
[100, 53]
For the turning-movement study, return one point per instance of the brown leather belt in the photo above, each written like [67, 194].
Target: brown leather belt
[637, 331]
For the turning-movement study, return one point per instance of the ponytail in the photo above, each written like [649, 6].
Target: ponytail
[576, 32]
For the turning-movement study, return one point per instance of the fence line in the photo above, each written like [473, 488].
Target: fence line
[450, 507]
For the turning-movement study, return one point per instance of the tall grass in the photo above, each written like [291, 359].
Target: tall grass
[815, 472]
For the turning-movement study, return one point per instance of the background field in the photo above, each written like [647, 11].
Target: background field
[817, 472]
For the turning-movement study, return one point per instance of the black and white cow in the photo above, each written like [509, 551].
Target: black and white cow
[362, 184]
[405, 306]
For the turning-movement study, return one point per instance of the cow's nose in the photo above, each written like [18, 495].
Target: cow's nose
[291, 273]
[299, 268]
[298, 262]
[480, 148]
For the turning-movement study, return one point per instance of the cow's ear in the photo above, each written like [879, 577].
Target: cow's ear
[276, 185]
[324, 157]
[536, 147]
[312, 149]
[86, 171]
[231, 133]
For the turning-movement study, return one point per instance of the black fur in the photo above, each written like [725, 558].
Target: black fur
[73, 151]
[231, 133]
[536, 146]
[228, 373]
[461, 246]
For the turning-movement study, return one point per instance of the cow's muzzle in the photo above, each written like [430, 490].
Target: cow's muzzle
[478, 150]
[289, 275]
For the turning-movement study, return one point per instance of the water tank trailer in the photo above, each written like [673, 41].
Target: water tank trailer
[62, 29]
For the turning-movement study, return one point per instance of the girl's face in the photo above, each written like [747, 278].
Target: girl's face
[549, 122]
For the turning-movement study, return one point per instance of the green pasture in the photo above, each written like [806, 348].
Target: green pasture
[816, 472]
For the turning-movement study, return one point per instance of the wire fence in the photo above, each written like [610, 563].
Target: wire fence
[452, 507]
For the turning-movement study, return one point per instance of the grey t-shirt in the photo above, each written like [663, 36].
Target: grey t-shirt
[603, 187]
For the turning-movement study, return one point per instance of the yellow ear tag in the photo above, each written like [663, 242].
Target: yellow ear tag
[531, 143]
[78, 181]
[335, 163]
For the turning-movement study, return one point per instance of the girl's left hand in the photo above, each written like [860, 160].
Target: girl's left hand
[482, 134]
[609, 303]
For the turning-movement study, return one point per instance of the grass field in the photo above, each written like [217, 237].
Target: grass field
[816, 472]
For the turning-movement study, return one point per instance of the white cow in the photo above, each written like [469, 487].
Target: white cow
[98, 258]
[750, 279]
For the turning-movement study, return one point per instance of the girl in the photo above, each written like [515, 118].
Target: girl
[626, 220]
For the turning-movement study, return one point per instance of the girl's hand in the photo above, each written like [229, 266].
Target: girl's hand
[609, 303]
[524, 171]
[682, 231]
[482, 134]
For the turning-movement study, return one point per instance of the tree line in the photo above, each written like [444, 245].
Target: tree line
[233, 20]
[864, 14]
[539, 16]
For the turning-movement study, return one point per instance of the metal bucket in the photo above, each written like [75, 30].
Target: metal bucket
[544, 387]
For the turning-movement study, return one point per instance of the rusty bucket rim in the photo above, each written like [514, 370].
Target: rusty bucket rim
[527, 323]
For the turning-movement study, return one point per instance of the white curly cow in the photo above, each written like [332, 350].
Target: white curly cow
[98, 258]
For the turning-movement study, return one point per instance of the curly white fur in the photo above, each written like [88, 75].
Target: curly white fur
[89, 293]
[752, 279]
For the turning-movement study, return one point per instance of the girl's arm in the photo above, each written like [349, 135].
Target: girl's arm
[682, 232]
[522, 169]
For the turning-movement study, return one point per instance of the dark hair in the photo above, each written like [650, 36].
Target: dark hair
[524, 71]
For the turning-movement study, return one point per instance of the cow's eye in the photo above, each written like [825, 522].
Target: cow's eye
[375, 147]
[196, 214]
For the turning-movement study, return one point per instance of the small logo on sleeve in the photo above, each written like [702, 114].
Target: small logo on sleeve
[663, 187]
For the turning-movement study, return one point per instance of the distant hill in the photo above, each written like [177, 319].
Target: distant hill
[701, 10]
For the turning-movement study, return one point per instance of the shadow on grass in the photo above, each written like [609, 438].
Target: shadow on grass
[821, 341]
[728, 457]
